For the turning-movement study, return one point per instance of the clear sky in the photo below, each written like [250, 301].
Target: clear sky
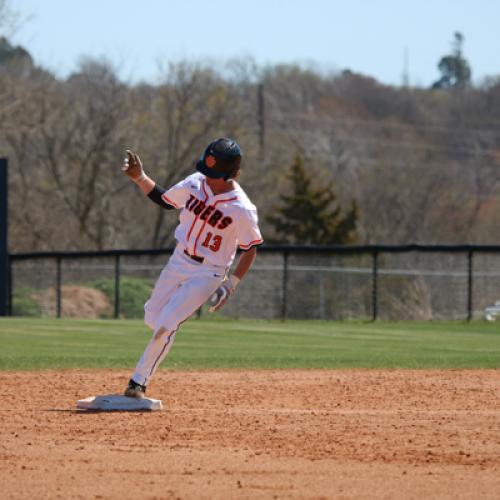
[365, 36]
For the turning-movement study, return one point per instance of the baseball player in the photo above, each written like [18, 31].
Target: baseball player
[216, 218]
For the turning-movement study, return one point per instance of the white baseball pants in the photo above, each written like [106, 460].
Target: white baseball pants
[182, 288]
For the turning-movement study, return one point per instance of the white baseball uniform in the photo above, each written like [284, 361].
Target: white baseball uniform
[211, 228]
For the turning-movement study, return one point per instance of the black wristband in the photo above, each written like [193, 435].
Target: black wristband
[156, 195]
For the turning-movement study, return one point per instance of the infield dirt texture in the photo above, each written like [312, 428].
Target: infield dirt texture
[253, 433]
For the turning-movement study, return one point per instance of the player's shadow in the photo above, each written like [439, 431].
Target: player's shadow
[82, 411]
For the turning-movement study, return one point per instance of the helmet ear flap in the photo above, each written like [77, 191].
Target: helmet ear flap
[234, 171]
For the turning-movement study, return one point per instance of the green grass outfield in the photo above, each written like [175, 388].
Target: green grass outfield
[32, 344]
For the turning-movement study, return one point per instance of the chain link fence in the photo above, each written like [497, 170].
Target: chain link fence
[327, 283]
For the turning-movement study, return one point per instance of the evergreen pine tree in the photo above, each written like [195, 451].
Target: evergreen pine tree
[454, 68]
[310, 215]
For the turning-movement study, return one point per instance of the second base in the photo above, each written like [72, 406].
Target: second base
[117, 402]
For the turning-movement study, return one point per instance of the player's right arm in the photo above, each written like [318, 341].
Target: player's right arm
[132, 168]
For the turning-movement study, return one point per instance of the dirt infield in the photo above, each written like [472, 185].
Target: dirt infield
[267, 434]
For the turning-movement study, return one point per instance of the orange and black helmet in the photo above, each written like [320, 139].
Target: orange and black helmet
[221, 159]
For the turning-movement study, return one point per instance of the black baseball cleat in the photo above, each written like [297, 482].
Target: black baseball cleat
[135, 390]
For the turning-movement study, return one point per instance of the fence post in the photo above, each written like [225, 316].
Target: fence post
[375, 286]
[285, 285]
[470, 263]
[117, 285]
[9, 288]
[58, 287]
[261, 119]
[322, 308]
[4, 248]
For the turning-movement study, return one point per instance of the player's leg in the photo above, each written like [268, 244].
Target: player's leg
[166, 284]
[187, 299]
[183, 302]
[159, 346]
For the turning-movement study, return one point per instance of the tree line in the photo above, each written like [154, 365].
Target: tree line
[377, 163]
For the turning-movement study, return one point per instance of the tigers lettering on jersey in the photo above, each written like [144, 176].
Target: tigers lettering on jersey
[213, 226]
[208, 213]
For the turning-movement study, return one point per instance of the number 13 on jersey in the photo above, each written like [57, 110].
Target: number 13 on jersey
[213, 242]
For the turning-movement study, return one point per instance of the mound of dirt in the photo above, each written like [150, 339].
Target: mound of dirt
[76, 302]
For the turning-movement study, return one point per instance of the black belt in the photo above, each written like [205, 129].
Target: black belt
[195, 257]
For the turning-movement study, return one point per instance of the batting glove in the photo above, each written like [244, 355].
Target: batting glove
[132, 167]
[222, 294]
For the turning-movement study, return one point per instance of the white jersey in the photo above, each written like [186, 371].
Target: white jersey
[213, 226]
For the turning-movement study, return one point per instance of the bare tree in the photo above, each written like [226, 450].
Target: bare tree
[192, 106]
[422, 165]
[9, 18]
[76, 140]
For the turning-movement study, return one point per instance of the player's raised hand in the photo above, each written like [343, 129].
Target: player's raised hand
[132, 166]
